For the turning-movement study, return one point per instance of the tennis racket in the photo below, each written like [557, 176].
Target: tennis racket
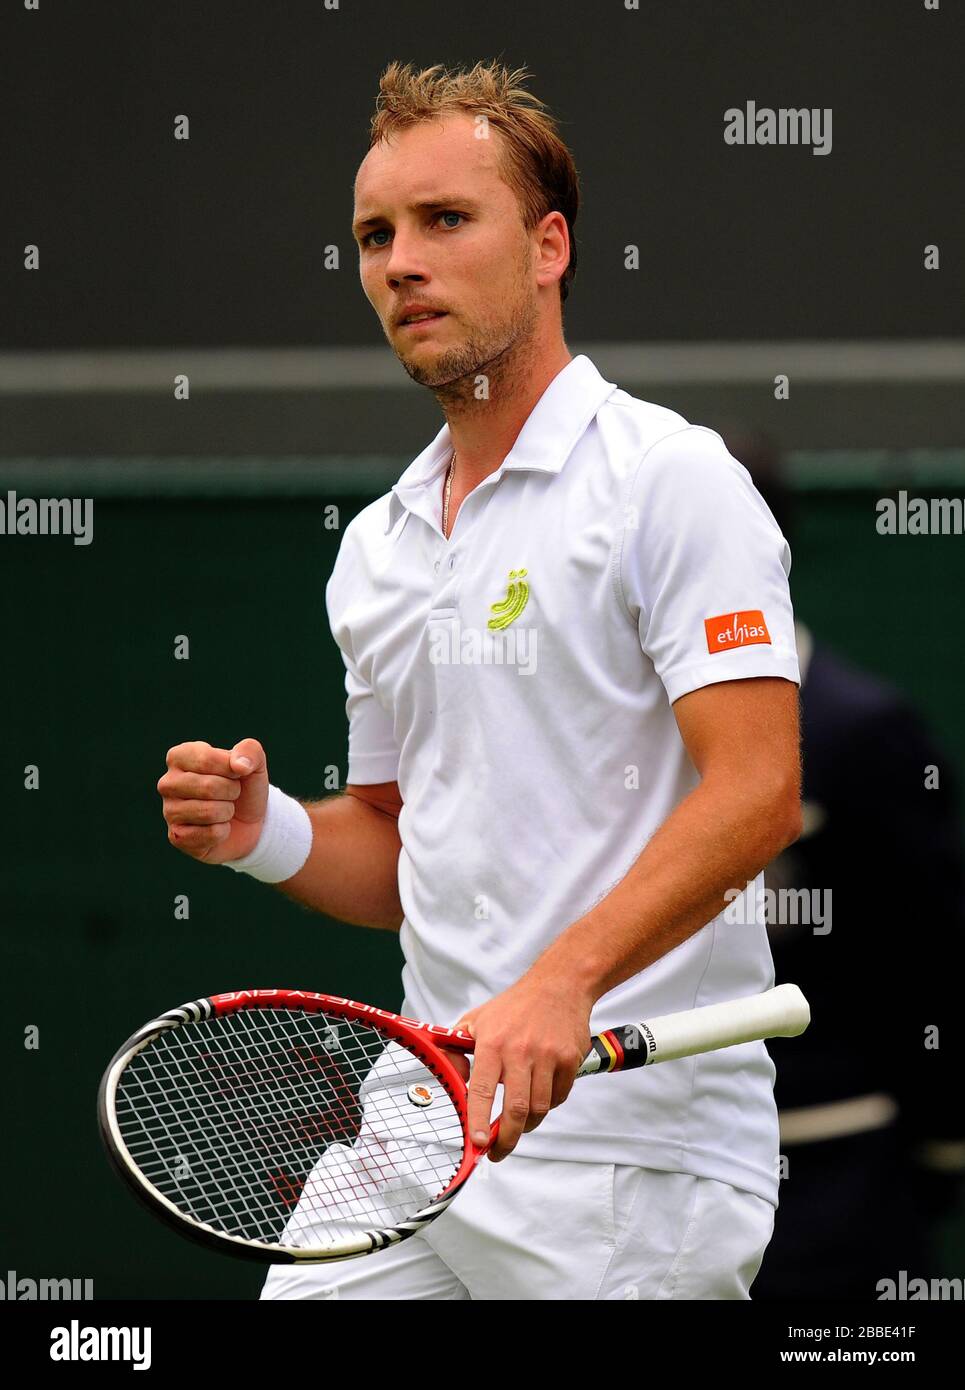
[293, 1127]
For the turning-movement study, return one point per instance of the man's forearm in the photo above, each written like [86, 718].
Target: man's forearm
[718, 838]
[351, 872]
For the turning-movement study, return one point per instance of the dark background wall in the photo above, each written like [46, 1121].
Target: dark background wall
[219, 239]
[219, 242]
[206, 256]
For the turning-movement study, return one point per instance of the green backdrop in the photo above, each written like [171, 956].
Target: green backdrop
[94, 697]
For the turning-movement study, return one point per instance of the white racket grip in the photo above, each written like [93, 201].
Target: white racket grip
[781, 1012]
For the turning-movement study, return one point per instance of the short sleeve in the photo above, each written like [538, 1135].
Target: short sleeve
[373, 755]
[703, 567]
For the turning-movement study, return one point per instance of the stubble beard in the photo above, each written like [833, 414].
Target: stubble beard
[498, 352]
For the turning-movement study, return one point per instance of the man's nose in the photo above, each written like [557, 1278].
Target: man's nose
[405, 261]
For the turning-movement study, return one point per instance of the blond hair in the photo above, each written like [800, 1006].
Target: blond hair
[535, 162]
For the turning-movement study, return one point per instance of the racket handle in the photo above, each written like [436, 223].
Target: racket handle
[781, 1012]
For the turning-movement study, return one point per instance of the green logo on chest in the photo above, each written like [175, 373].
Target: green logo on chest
[509, 608]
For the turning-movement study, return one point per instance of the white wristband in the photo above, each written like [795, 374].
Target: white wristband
[284, 843]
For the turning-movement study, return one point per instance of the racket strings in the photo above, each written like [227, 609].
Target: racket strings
[262, 1130]
[242, 1078]
[287, 1127]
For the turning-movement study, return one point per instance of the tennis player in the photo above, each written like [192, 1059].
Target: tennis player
[573, 741]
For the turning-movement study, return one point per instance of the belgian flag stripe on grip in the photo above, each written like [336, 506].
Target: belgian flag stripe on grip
[614, 1050]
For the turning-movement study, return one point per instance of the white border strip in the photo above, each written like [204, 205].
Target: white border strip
[838, 1119]
[363, 368]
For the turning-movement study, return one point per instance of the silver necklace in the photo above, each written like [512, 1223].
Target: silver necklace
[445, 500]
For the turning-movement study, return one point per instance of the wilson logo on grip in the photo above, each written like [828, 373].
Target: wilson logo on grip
[736, 630]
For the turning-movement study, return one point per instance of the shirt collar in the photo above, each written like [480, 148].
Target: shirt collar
[553, 428]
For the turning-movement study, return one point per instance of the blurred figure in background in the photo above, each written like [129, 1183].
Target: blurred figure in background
[871, 1116]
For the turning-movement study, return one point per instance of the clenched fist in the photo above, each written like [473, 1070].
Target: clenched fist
[215, 799]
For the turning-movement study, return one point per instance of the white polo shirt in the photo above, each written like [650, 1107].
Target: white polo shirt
[517, 681]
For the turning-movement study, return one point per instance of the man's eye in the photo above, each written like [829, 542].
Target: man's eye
[384, 231]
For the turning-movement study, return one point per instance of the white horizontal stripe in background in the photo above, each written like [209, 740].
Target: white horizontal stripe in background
[364, 368]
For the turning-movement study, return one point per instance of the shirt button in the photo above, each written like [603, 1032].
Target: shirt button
[452, 561]
[436, 567]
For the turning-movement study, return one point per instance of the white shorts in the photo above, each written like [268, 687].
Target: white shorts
[536, 1228]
